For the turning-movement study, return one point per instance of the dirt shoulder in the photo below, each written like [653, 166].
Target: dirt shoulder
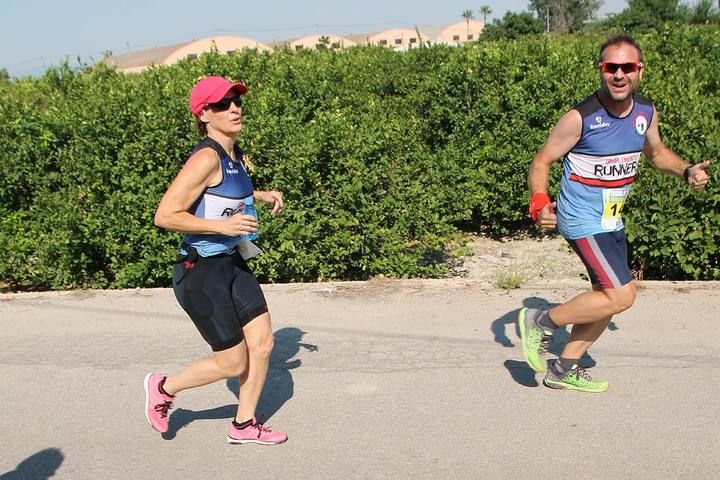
[516, 262]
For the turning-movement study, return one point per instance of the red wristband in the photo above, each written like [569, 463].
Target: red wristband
[537, 202]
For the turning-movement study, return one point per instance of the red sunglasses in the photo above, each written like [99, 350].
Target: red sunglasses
[629, 67]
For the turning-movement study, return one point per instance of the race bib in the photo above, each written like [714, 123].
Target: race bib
[613, 203]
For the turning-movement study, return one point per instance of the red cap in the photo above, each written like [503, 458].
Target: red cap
[211, 90]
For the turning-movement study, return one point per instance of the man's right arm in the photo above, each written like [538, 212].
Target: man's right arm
[561, 140]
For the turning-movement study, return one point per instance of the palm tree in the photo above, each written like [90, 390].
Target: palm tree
[468, 15]
[485, 11]
[323, 42]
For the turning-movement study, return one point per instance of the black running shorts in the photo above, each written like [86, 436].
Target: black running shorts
[220, 294]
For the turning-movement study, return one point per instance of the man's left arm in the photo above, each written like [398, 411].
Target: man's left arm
[667, 161]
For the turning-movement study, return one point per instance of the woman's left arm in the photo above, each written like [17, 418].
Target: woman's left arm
[270, 196]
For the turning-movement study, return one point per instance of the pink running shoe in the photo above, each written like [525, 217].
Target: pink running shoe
[255, 433]
[157, 403]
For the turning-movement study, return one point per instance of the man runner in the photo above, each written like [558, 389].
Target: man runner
[600, 140]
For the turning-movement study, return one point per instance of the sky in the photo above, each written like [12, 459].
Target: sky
[37, 34]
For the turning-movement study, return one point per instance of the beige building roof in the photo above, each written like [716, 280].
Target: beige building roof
[313, 41]
[460, 32]
[141, 60]
[430, 32]
[223, 45]
[396, 38]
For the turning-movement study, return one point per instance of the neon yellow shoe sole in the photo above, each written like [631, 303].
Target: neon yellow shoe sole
[577, 379]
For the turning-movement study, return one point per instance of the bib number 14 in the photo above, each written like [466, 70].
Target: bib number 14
[613, 203]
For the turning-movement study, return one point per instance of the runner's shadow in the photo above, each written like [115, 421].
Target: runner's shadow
[498, 327]
[39, 466]
[558, 343]
[521, 373]
[181, 417]
[519, 370]
[279, 384]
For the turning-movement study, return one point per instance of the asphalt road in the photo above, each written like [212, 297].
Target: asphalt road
[377, 380]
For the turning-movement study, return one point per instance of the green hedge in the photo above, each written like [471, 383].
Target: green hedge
[382, 157]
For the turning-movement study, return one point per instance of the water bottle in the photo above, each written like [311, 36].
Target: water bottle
[249, 209]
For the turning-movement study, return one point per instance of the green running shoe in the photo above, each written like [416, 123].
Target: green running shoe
[535, 340]
[577, 378]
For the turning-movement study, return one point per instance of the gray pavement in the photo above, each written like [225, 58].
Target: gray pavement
[371, 380]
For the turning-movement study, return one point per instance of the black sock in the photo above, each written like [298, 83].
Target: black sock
[162, 390]
[243, 424]
[566, 364]
[545, 321]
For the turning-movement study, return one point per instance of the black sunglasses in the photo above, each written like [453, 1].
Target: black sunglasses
[224, 104]
[630, 67]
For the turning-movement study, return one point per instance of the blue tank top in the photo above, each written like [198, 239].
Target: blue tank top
[599, 170]
[219, 201]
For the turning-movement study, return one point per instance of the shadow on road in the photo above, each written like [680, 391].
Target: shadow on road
[519, 370]
[521, 373]
[40, 466]
[279, 385]
[498, 327]
[181, 417]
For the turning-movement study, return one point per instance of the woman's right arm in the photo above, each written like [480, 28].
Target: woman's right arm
[201, 170]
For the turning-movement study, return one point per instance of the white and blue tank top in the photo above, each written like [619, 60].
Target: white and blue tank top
[219, 201]
[599, 170]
